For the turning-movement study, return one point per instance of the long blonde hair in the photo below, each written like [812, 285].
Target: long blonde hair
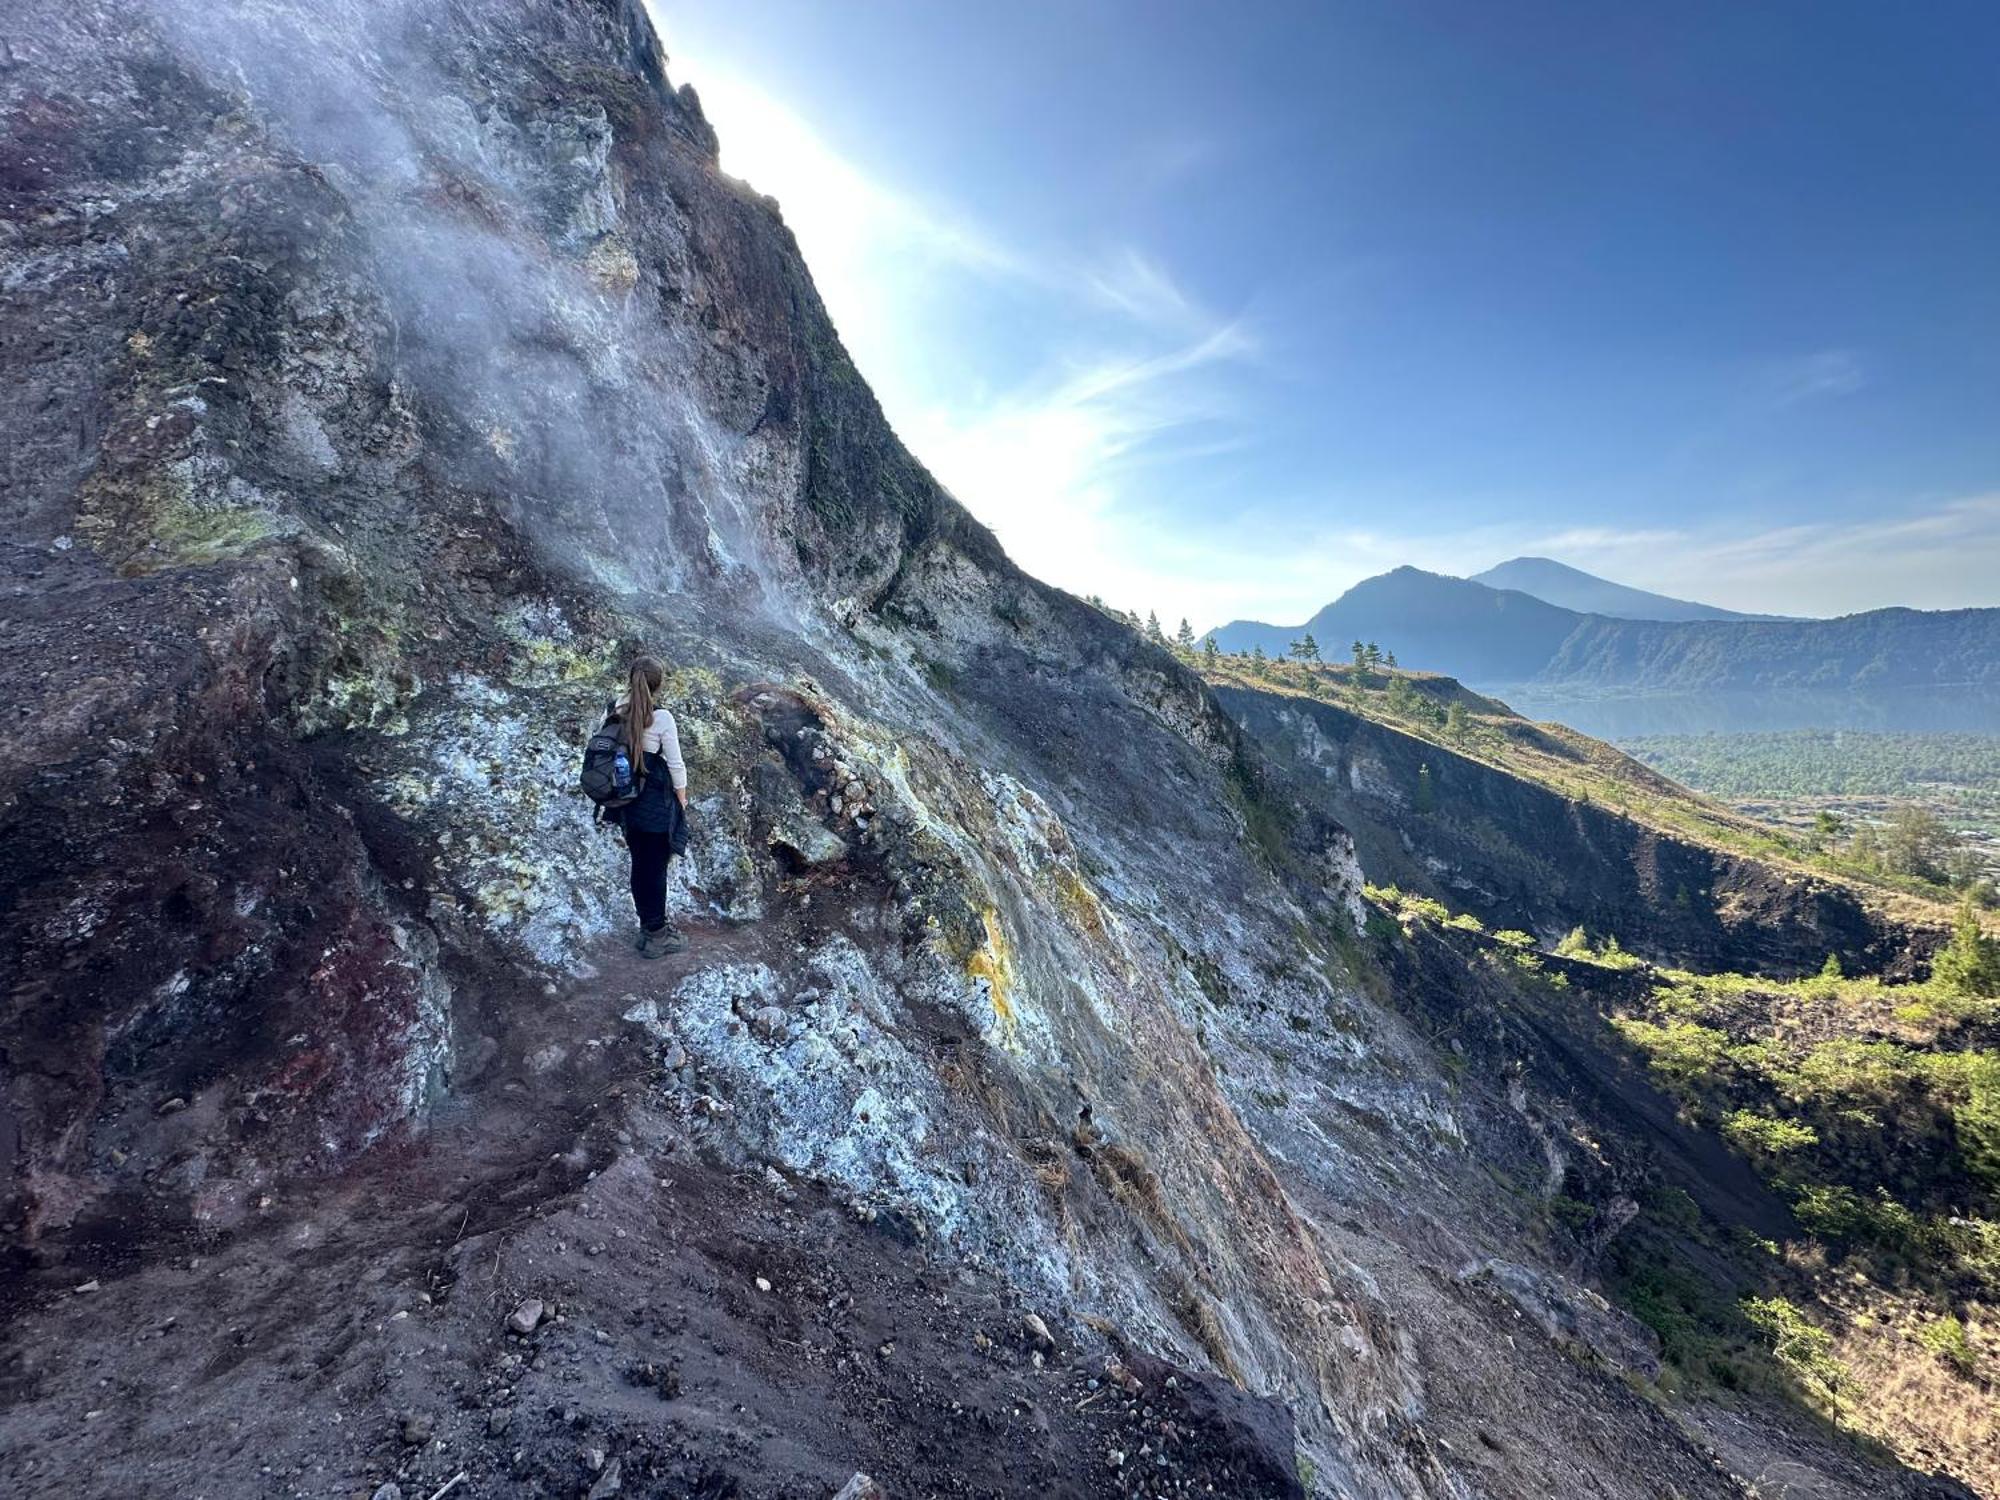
[640, 696]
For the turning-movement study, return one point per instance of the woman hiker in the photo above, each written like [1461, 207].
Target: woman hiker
[649, 820]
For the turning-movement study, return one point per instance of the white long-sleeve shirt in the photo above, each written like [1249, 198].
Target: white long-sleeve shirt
[664, 740]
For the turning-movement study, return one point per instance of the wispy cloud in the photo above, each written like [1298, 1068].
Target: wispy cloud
[1816, 376]
[1120, 367]
[876, 251]
[1132, 283]
[1112, 369]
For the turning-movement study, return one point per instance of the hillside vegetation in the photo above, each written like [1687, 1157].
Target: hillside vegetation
[1872, 1109]
[1586, 770]
[1829, 782]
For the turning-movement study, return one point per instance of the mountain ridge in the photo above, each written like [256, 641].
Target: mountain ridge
[1882, 662]
[1571, 588]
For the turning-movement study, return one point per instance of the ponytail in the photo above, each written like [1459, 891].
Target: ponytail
[647, 679]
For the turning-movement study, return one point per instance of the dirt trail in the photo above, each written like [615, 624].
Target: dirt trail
[707, 1333]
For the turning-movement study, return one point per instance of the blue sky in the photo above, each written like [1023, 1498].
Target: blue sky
[1216, 309]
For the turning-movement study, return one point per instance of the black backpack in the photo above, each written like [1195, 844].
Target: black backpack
[608, 777]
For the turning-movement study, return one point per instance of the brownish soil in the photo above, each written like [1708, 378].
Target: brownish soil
[356, 1333]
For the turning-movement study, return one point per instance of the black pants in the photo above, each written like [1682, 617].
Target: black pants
[650, 853]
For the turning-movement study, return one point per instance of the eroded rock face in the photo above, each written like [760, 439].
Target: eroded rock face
[1518, 855]
[379, 378]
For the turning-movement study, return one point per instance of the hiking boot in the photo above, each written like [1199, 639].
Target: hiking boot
[661, 941]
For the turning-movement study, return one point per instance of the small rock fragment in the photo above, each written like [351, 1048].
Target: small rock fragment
[171, 1106]
[610, 1482]
[526, 1318]
[861, 1487]
[417, 1428]
[389, 1491]
[1038, 1331]
[763, 1284]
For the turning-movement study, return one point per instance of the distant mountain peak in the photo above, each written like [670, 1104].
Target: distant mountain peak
[1571, 588]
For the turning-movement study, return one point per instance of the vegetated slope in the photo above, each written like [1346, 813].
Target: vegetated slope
[1572, 588]
[379, 378]
[1538, 828]
[1857, 778]
[1889, 668]
[1868, 1108]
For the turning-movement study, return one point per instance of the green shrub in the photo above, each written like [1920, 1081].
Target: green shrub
[1945, 1337]
[1832, 1211]
[1766, 1134]
[1801, 1347]
[1513, 937]
[1427, 910]
[1685, 1056]
[1614, 957]
[1969, 1246]
[1835, 1211]
[1969, 964]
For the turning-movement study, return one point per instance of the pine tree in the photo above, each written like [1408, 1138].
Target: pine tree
[1970, 963]
[1311, 651]
[1153, 631]
[1209, 650]
[1390, 661]
[1403, 700]
[1374, 656]
[1360, 657]
[1184, 637]
[1457, 723]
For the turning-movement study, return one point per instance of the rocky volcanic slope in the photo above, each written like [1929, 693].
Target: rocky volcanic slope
[377, 377]
[1519, 855]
